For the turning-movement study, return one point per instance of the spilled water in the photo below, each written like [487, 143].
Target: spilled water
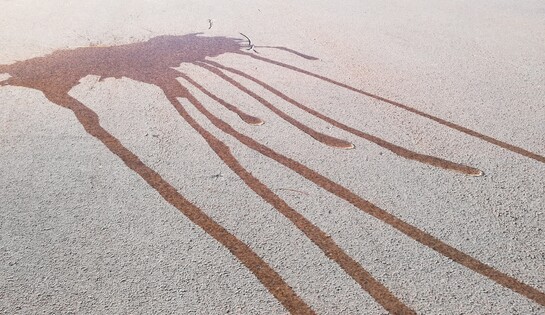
[152, 62]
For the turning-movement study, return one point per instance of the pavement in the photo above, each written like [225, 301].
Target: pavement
[369, 157]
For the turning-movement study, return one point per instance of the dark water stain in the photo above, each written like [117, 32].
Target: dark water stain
[152, 62]
[325, 139]
[467, 131]
[426, 159]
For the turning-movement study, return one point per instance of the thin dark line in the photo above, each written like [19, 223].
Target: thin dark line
[250, 45]
[248, 38]
[411, 155]
[441, 121]
[325, 139]
[264, 273]
[411, 231]
[377, 290]
[295, 52]
[249, 119]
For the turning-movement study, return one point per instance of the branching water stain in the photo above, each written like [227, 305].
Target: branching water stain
[153, 61]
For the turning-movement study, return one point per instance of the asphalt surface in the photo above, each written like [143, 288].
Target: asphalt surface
[169, 202]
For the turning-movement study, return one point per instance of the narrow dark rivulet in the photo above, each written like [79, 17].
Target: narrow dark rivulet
[152, 62]
[413, 110]
[426, 159]
[369, 208]
[295, 52]
[148, 62]
[268, 277]
[323, 138]
[378, 291]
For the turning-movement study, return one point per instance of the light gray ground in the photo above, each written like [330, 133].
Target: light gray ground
[81, 233]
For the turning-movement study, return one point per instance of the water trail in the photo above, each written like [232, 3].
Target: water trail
[378, 291]
[441, 121]
[264, 273]
[411, 231]
[249, 119]
[323, 138]
[411, 155]
[295, 52]
[151, 62]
